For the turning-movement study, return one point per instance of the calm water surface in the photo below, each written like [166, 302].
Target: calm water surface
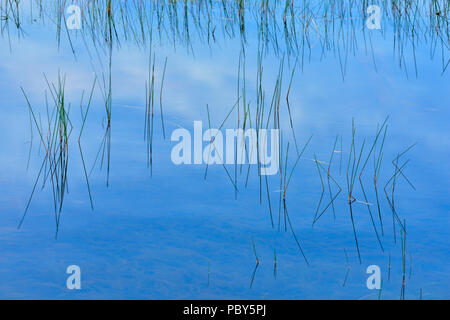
[164, 231]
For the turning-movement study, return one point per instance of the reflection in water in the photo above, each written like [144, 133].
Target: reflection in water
[296, 66]
[54, 166]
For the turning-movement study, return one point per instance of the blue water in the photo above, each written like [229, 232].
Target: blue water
[175, 235]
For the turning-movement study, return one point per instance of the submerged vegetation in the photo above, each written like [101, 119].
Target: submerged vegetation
[290, 30]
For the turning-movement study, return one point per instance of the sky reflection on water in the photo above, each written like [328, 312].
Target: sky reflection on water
[154, 237]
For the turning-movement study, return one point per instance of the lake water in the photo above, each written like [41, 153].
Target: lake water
[159, 230]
